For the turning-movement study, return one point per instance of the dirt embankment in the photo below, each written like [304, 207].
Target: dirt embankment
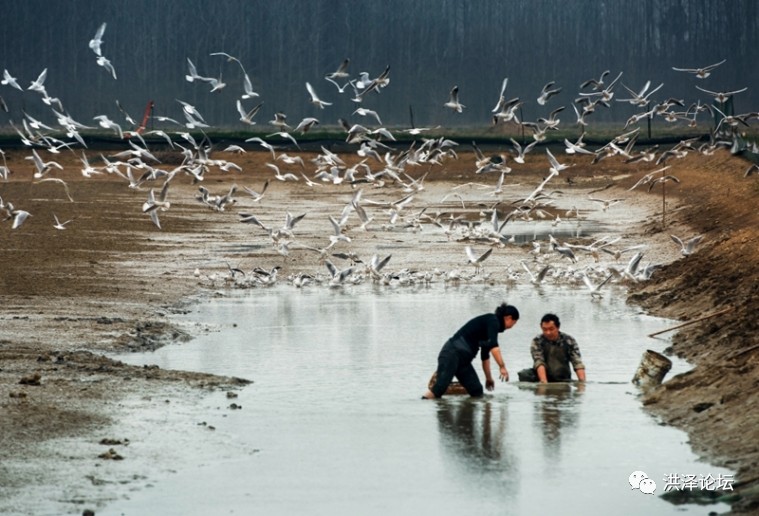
[717, 402]
[106, 283]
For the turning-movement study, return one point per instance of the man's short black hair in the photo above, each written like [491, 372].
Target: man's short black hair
[505, 309]
[551, 318]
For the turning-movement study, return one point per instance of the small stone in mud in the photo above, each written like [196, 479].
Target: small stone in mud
[700, 407]
[111, 454]
[231, 394]
[19, 394]
[114, 442]
[32, 379]
[235, 406]
[88, 512]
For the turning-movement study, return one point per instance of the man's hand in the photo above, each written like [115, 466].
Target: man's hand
[504, 374]
[489, 384]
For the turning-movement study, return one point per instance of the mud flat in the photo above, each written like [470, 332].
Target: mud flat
[107, 282]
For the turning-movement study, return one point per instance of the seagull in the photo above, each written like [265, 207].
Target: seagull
[291, 160]
[216, 84]
[501, 98]
[641, 98]
[306, 124]
[43, 167]
[508, 111]
[338, 276]
[341, 72]
[453, 101]
[255, 195]
[368, 112]
[631, 270]
[521, 151]
[594, 289]
[606, 203]
[576, 148]
[595, 84]
[566, 252]
[536, 280]
[105, 63]
[606, 94]
[552, 122]
[107, 123]
[247, 86]
[97, 40]
[9, 80]
[375, 266]
[192, 74]
[753, 169]
[247, 117]
[288, 176]
[687, 248]
[722, 97]
[280, 120]
[662, 180]
[315, 100]
[264, 144]
[337, 226]
[39, 83]
[340, 89]
[701, 73]
[546, 93]
[286, 135]
[555, 165]
[18, 216]
[58, 224]
[477, 260]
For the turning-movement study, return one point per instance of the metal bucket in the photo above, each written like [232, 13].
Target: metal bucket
[652, 369]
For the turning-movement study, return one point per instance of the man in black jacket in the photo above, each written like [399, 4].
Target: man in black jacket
[477, 335]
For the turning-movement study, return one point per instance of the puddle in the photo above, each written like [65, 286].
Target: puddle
[339, 427]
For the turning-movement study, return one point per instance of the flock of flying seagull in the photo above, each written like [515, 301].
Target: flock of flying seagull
[383, 166]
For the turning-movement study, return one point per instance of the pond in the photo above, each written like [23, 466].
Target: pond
[338, 426]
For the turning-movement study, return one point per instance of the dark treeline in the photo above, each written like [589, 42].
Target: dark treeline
[430, 46]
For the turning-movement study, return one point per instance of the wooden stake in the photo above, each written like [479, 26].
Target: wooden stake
[723, 311]
[663, 202]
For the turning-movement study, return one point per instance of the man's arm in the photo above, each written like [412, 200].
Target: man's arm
[541, 372]
[538, 360]
[576, 358]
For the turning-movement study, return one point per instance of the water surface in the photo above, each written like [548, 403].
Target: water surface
[339, 427]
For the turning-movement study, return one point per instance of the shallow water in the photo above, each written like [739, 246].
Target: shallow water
[339, 427]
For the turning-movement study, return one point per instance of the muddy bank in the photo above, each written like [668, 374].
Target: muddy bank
[106, 283]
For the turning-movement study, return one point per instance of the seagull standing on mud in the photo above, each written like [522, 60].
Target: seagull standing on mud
[475, 259]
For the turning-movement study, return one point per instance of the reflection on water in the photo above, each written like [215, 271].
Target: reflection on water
[336, 416]
[473, 431]
[557, 414]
